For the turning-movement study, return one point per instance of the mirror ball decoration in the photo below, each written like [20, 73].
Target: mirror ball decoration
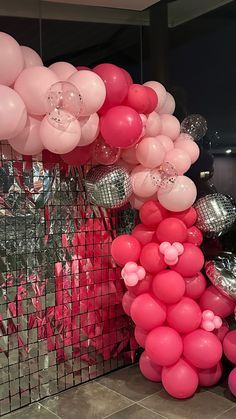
[194, 125]
[216, 214]
[108, 186]
[222, 273]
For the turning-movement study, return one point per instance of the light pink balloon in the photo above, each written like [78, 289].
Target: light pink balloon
[28, 142]
[144, 121]
[89, 129]
[32, 85]
[166, 142]
[153, 125]
[136, 202]
[31, 57]
[180, 197]
[142, 183]
[150, 152]
[92, 90]
[11, 59]
[13, 115]
[60, 141]
[63, 70]
[169, 105]
[129, 155]
[189, 147]
[160, 91]
[179, 159]
[170, 126]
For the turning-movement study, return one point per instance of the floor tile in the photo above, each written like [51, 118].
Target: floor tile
[222, 389]
[135, 412]
[34, 411]
[88, 401]
[203, 404]
[230, 414]
[130, 382]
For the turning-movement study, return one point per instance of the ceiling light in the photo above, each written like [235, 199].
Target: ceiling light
[228, 151]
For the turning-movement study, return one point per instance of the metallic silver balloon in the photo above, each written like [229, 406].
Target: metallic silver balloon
[194, 125]
[222, 273]
[108, 186]
[216, 214]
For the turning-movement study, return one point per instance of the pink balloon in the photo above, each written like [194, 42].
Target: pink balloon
[63, 70]
[210, 376]
[144, 121]
[222, 331]
[127, 302]
[151, 258]
[129, 155]
[83, 67]
[128, 77]
[164, 346]
[28, 142]
[168, 286]
[190, 262]
[189, 146]
[137, 98]
[148, 312]
[11, 59]
[170, 126]
[229, 345]
[13, 115]
[86, 82]
[195, 286]
[140, 336]
[184, 316]
[202, 349]
[32, 85]
[78, 156]
[143, 234]
[149, 370]
[57, 140]
[169, 105]
[125, 248]
[143, 286]
[31, 57]
[103, 153]
[150, 152]
[179, 159]
[232, 382]
[180, 197]
[152, 99]
[213, 300]
[160, 91]
[180, 380]
[166, 142]
[142, 183]
[153, 125]
[89, 129]
[137, 202]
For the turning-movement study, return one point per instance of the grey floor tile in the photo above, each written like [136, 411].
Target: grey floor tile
[88, 401]
[230, 414]
[135, 412]
[130, 382]
[205, 405]
[222, 389]
[34, 411]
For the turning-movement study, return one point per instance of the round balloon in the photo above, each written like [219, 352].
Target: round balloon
[148, 312]
[160, 92]
[164, 346]
[212, 299]
[127, 301]
[89, 129]
[190, 262]
[171, 230]
[179, 159]
[232, 382]
[210, 376]
[149, 370]
[125, 248]
[170, 126]
[195, 286]
[152, 213]
[169, 105]
[115, 83]
[180, 380]
[142, 183]
[140, 335]
[184, 316]
[31, 57]
[189, 216]
[150, 152]
[13, 115]
[168, 286]
[151, 258]
[63, 70]
[11, 60]
[202, 349]
[143, 234]
[189, 146]
[229, 345]
[180, 197]
[28, 142]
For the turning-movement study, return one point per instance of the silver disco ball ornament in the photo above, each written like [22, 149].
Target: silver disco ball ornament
[108, 186]
[222, 273]
[216, 214]
[194, 125]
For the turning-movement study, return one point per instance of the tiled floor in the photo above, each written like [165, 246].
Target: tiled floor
[125, 394]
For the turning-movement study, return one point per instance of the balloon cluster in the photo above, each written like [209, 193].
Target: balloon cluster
[179, 319]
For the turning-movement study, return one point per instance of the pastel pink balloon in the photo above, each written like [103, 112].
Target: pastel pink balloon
[28, 142]
[32, 85]
[180, 197]
[13, 115]
[140, 336]
[86, 82]
[170, 126]
[11, 59]
[60, 141]
[150, 152]
[166, 142]
[169, 105]
[89, 129]
[144, 121]
[31, 57]
[153, 125]
[142, 183]
[160, 91]
[149, 370]
[63, 70]
[136, 202]
[189, 147]
[129, 155]
[179, 159]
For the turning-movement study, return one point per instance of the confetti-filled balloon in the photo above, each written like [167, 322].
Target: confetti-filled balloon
[103, 153]
[64, 95]
[194, 125]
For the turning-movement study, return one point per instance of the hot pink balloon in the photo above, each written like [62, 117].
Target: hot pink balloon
[222, 331]
[229, 344]
[232, 382]
[169, 105]
[136, 202]
[166, 142]
[153, 125]
[89, 129]
[170, 126]
[148, 312]
[127, 302]
[28, 142]
[57, 140]
[32, 85]
[220, 304]
[189, 146]
[210, 376]
[150, 152]
[143, 234]
[202, 349]
[160, 91]
[180, 380]
[195, 286]
[31, 57]
[11, 59]
[179, 159]
[13, 115]
[142, 183]
[83, 67]
[184, 316]
[87, 82]
[164, 346]
[63, 70]
[127, 75]
[168, 286]
[140, 336]
[78, 156]
[149, 370]
[180, 197]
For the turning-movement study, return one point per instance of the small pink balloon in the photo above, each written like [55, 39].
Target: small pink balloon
[89, 129]
[60, 141]
[142, 183]
[208, 315]
[180, 197]
[179, 159]
[169, 105]
[63, 70]
[166, 142]
[13, 115]
[103, 153]
[208, 325]
[31, 57]
[150, 152]
[160, 91]
[129, 155]
[153, 125]
[170, 126]
[149, 370]
[188, 146]
[217, 322]
[28, 142]
[11, 59]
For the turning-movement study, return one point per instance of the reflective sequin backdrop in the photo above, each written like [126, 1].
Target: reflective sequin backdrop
[61, 319]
